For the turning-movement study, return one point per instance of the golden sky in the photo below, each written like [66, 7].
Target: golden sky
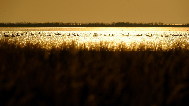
[166, 11]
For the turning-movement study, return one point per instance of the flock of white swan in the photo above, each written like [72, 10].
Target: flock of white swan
[97, 40]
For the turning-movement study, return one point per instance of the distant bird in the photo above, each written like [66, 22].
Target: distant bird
[32, 34]
[48, 35]
[6, 35]
[95, 35]
[149, 35]
[73, 34]
[139, 35]
[13, 35]
[17, 34]
[175, 35]
[57, 34]
[125, 34]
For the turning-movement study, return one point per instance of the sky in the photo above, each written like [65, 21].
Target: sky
[84, 11]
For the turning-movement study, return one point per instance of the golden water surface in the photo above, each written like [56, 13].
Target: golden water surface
[97, 38]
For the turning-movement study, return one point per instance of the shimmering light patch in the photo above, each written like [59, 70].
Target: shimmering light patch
[97, 40]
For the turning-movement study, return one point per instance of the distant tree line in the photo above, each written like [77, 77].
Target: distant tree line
[114, 24]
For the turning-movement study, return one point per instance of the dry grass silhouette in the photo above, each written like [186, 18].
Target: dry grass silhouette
[34, 76]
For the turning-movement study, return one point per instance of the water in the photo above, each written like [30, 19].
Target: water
[94, 28]
[110, 38]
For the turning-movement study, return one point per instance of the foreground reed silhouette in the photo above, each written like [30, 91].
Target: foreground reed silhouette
[34, 76]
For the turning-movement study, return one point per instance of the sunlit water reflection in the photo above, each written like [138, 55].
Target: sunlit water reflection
[131, 38]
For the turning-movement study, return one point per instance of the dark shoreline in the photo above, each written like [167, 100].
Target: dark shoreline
[119, 24]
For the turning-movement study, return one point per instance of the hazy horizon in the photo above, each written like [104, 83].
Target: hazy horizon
[98, 23]
[92, 11]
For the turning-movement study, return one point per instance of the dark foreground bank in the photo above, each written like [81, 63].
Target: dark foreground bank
[31, 76]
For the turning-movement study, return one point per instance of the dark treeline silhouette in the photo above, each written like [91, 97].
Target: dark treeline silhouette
[114, 24]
